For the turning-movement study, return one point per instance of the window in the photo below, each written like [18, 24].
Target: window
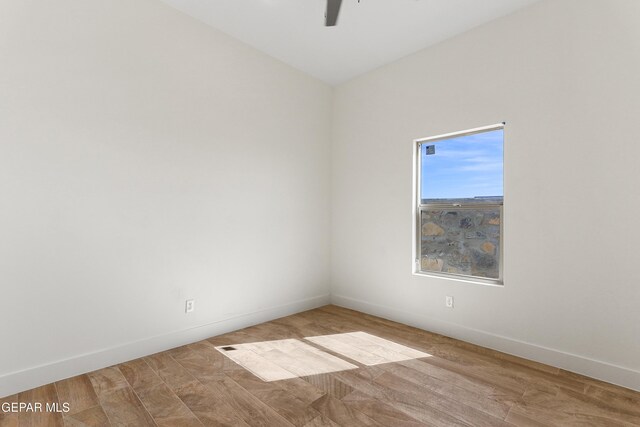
[458, 202]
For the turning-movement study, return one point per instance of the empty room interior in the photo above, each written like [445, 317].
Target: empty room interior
[319, 213]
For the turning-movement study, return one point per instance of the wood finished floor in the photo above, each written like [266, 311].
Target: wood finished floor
[460, 384]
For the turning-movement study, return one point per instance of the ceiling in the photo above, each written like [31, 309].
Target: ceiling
[369, 34]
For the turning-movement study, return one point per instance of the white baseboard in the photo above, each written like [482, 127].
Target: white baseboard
[604, 371]
[36, 376]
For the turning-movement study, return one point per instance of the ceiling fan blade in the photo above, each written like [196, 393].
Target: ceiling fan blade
[333, 10]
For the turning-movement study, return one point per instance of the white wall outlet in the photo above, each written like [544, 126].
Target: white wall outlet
[190, 306]
[448, 302]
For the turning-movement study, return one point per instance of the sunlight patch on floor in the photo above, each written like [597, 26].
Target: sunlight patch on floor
[283, 359]
[367, 349]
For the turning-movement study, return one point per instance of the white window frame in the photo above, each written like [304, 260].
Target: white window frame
[418, 207]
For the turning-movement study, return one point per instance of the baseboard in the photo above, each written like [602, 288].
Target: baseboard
[36, 376]
[619, 375]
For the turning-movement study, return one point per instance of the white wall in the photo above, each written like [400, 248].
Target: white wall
[564, 76]
[146, 158]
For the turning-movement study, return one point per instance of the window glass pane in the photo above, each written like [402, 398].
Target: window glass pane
[461, 241]
[462, 168]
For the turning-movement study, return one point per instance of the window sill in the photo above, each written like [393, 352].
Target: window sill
[465, 279]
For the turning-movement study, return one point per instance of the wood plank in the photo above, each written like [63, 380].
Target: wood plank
[382, 412]
[417, 408]
[516, 418]
[8, 418]
[159, 361]
[218, 361]
[139, 375]
[294, 410]
[493, 376]
[302, 389]
[201, 368]
[458, 409]
[494, 354]
[237, 337]
[43, 395]
[107, 380]
[342, 414]
[506, 368]
[549, 403]
[618, 390]
[208, 351]
[625, 401]
[329, 384]
[209, 406]
[78, 393]
[247, 406]
[321, 421]
[494, 404]
[170, 371]
[91, 417]
[123, 408]
[450, 377]
[166, 408]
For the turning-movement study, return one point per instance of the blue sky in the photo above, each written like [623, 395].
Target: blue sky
[466, 166]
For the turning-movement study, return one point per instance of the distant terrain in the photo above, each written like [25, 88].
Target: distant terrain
[468, 200]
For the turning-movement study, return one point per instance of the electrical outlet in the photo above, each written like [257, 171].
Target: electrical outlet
[190, 306]
[448, 302]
